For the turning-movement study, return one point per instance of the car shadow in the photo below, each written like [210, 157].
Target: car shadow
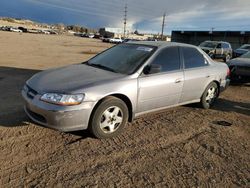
[240, 82]
[226, 106]
[232, 106]
[82, 134]
[11, 82]
[11, 109]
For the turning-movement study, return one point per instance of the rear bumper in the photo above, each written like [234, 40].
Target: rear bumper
[224, 85]
[58, 117]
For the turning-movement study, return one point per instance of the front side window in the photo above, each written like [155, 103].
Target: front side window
[124, 58]
[169, 59]
[219, 45]
[193, 58]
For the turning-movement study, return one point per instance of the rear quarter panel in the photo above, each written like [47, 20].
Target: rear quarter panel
[219, 72]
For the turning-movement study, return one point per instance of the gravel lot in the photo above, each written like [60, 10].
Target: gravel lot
[178, 147]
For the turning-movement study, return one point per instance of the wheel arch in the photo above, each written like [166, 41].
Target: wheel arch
[217, 83]
[122, 97]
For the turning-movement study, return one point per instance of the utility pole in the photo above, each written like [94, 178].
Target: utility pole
[125, 20]
[163, 25]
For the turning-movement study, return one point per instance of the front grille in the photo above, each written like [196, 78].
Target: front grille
[36, 116]
[31, 93]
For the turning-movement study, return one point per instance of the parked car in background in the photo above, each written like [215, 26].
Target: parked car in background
[240, 67]
[121, 83]
[97, 36]
[13, 29]
[217, 49]
[46, 32]
[105, 39]
[116, 40]
[91, 35]
[130, 40]
[241, 50]
[25, 30]
[5, 28]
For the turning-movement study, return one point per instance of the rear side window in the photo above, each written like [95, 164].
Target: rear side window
[169, 59]
[224, 45]
[193, 58]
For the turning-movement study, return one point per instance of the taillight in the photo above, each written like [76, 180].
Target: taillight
[228, 72]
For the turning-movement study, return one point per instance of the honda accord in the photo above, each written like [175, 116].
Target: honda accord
[122, 83]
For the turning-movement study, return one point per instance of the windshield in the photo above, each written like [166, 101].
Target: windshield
[246, 55]
[208, 44]
[247, 47]
[123, 58]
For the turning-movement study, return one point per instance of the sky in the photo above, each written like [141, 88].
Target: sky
[143, 15]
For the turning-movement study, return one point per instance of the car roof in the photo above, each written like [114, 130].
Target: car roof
[246, 45]
[216, 41]
[160, 44]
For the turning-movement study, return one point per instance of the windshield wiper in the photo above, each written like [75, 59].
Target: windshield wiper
[101, 67]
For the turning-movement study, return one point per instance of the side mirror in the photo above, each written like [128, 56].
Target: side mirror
[152, 69]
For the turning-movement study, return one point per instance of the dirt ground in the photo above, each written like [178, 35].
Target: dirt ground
[178, 147]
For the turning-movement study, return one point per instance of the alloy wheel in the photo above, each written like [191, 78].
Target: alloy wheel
[211, 95]
[111, 119]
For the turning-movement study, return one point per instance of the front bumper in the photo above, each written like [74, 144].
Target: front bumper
[224, 85]
[63, 118]
[239, 70]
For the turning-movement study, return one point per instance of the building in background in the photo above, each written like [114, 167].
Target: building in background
[109, 32]
[235, 38]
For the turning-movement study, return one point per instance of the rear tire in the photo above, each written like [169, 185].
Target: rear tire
[109, 118]
[227, 58]
[209, 96]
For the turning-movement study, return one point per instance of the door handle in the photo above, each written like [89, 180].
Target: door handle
[178, 80]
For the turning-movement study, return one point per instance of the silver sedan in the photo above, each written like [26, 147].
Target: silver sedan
[122, 83]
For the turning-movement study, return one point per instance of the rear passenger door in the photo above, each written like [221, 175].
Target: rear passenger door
[219, 51]
[196, 74]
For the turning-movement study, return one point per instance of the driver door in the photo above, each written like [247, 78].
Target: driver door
[162, 89]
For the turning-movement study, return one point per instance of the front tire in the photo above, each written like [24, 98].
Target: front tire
[209, 96]
[109, 118]
[211, 55]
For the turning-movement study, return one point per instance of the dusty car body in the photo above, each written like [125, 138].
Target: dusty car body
[122, 83]
[241, 50]
[217, 49]
[240, 67]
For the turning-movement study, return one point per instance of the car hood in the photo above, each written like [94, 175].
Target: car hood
[240, 62]
[70, 79]
[241, 51]
[206, 48]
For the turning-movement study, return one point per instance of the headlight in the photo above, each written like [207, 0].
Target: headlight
[62, 99]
